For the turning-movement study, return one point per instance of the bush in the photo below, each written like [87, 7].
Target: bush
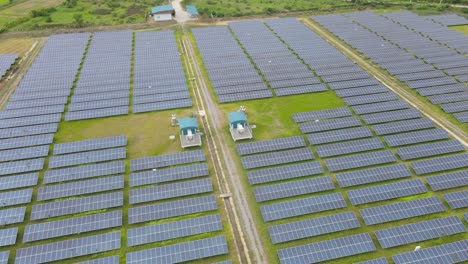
[42, 12]
[102, 11]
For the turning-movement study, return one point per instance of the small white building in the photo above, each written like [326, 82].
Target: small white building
[162, 13]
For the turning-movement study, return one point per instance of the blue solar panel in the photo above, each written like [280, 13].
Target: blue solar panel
[457, 200]
[284, 172]
[372, 175]
[386, 192]
[456, 252]
[447, 181]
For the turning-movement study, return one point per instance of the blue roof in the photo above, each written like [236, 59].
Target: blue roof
[188, 123]
[164, 8]
[192, 10]
[237, 117]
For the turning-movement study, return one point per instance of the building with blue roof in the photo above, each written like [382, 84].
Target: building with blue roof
[162, 13]
[239, 127]
[192, 10]
[190, 135]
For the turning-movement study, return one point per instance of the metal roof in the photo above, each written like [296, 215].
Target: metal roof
[159, 9]
[192, 10]
[237, 117]
[188, 123]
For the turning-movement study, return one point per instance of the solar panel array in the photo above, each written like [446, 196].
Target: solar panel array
[448, 181]
[106, 260]
[87, 145]
[167, 160]
[168, 174]
[277, 158]
[105, 75]
[87, 157]
[270, 145]
[284, 172]
[6, 61]
[360, 160]
[84, 172]
[440, 164]
[228, 66]
[449, 19]
[431, 149]
[457, 200]
[456, 252]
[378, 174]
[348, 147]
[155, 87]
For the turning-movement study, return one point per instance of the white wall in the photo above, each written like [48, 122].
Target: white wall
[162, 17]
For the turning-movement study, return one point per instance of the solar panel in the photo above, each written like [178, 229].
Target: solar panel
[15, 197]
[26, 112]
[339, 135]
[330, 124]
[391, 116]
[323, 114]
[349, 147]
[167, 160]
[284, 172]
[24, 153]
[68, 249]
[28, 131]
[168, 174]
[361, 90]
[72, 226]
[402, 126]
[375, 261]
[158, 106]
[455, 107]
[386, 192]
[431, 149]
[96, 113]
[371, 98]
[270, 145]
[172, 230]
[457, 200]
[289, 189]
[8, 236]
[276, 158]
[313, 227]
[462, 117]
[421, 231]
[400, 211]
[12, 215]
[380, 107]
[327, 250]
[93, 144]
[455, 252]
[440, 164]
[13, 143]
[360, 160]
[168, 191]
[18, 181]
[224, 262]
[84, 172]
[4, 255]
[182, 252]
[87, 157]
[78, 205]
[302, 207]
[106, 260]
[80, 187]
[30, 120]
[171, 209]
[416, 137]
[379, 174]
[448, 181]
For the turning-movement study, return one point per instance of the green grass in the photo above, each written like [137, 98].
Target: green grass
[463, 29]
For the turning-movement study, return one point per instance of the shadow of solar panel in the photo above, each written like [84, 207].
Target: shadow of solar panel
[8, 236]
[457, 200]
[28, 131]
[349, 147]
[385, 117]
[4, 255]
[375, 261]
[313, 227]
[371, 98]
[323, 114]
[360, 160]
[72, 226]
[327, 250]
[290, 189]
[302, 207]
[171, 209]
[420, 231]
[168, 175]
[284, 172]
[440, 164]
[157, 106]
[15, 197]
[78, 205]
[106, 260]
[431, 149]
[30, 120]
[44, 110]
[68, 249]
[28, 141]
[416, 137]
[79, 188]
[18, 181]
[24, 153]
[182, 252]
[172, 190]
[330, 124]
[400, 211]
[462, 117]
[455, 107]
[386, 192]
[402, 126]
[277, 158]
[96, 113]
[172, 230]
[448, 181]
[455, 252]
[379, 174]
[93, 144]
[12, 215]
[167, 160]
[270, 145]
[84, 172]
[87, 157]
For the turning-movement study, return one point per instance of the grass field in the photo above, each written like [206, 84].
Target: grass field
[16, 45]
[462, 29]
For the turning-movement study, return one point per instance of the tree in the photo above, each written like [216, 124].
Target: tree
[78, 20]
